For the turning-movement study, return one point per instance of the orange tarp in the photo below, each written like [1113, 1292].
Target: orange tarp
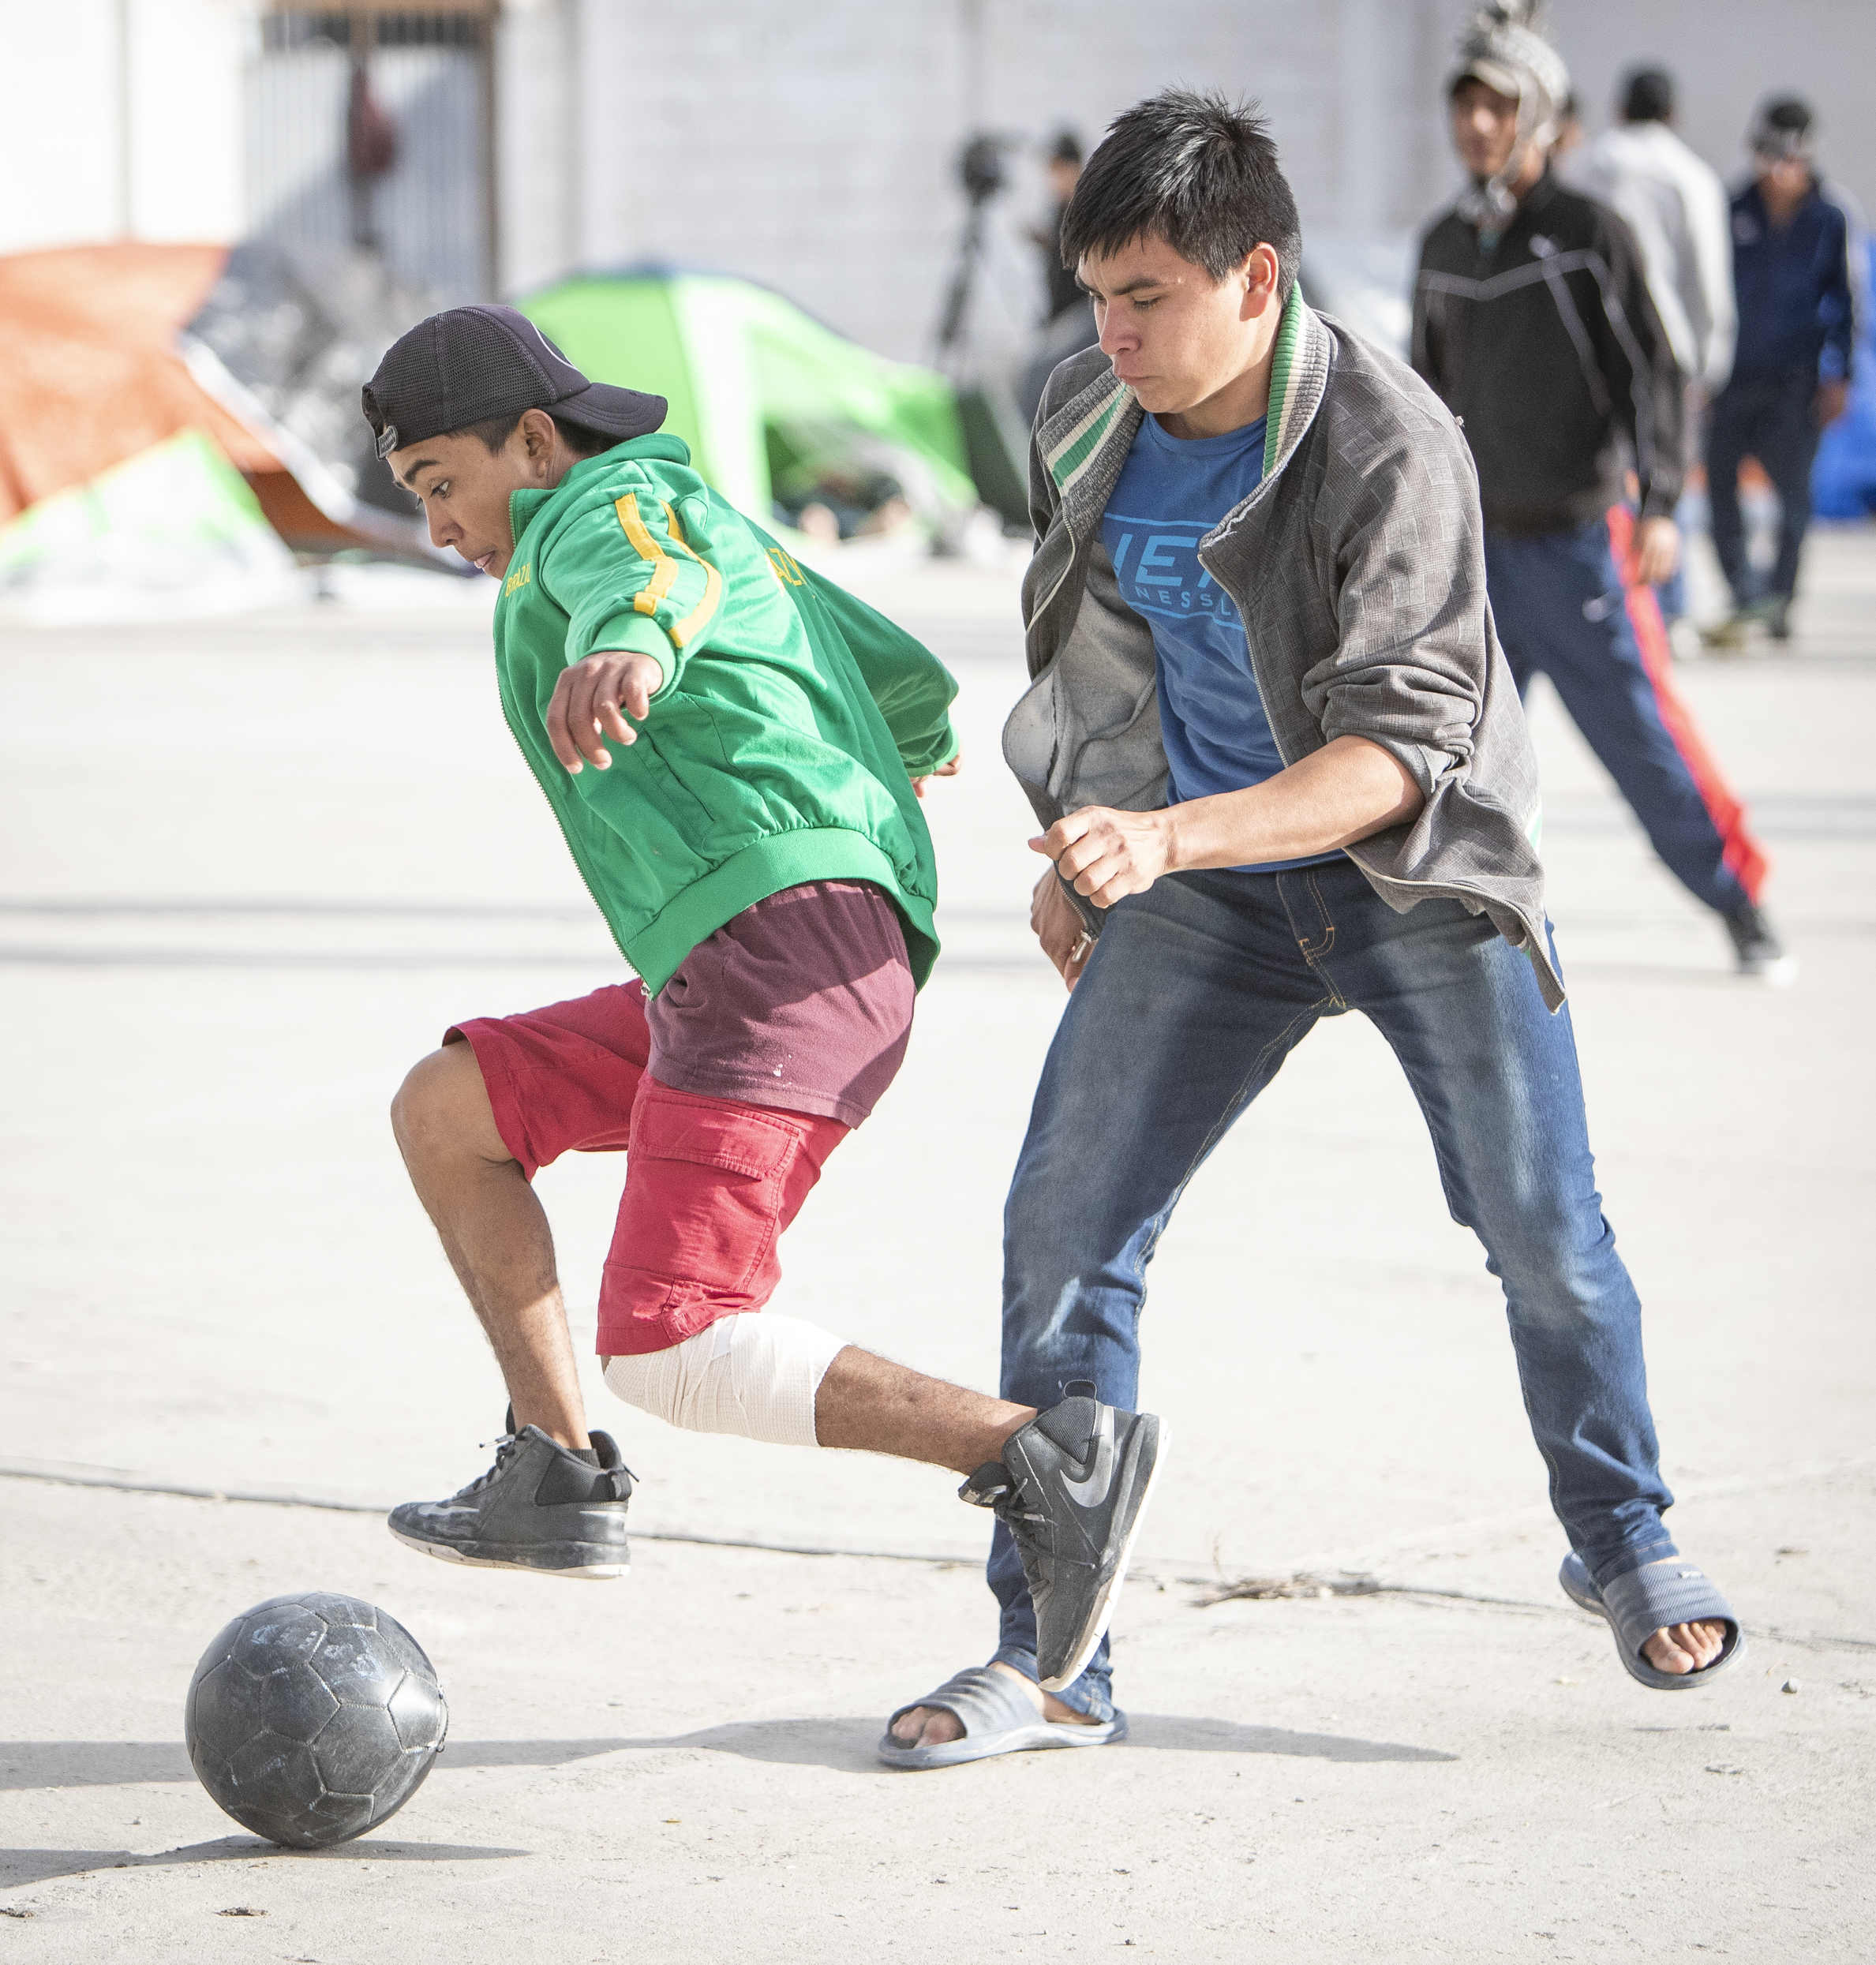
[91, 375]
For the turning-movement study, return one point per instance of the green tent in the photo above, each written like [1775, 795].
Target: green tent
[172, 532]
[766, 396]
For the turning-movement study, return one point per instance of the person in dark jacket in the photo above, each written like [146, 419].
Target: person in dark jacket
[1791, 375]
[1532, 319]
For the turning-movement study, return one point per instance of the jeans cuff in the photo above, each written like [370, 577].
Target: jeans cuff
[1087, 1695]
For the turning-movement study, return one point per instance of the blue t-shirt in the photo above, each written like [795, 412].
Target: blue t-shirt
[1171, 492]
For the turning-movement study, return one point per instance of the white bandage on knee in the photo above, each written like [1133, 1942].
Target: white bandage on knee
[755, 1375]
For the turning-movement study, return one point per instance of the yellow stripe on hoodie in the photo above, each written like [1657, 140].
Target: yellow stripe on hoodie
[664, 567]
[645, 543]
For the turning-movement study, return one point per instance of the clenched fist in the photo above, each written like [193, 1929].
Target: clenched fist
[1105, 855]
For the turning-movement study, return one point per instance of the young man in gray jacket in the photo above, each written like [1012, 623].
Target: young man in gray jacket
[1284, 774]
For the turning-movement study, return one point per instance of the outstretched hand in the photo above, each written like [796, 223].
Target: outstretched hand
[591, 702]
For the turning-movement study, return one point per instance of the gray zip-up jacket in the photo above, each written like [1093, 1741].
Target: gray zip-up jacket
[1358, 567]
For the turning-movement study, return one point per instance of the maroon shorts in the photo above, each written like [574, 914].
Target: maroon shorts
[729, 1088]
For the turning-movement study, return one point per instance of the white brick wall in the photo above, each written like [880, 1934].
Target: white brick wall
[812, 144]
[65, 91]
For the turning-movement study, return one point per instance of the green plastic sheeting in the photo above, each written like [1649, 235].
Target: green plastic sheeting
[754, 383]
[171, 531]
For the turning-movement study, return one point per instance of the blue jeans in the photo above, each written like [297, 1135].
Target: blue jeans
[1194, 995]
[1557, 604]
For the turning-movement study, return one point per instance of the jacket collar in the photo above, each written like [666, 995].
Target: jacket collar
[1085, 443]
[525, 507]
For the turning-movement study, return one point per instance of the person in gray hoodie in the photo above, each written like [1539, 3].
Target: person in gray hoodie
[1283, 773]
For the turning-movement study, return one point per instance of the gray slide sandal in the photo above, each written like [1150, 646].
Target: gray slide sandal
[998, 1718]
[1651, 1599]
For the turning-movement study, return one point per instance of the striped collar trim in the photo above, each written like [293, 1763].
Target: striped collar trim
[1069, 457]
[1288, 418]
[1299, 371]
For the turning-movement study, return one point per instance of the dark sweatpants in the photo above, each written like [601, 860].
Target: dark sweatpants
[1769, 416]
[1560, 610]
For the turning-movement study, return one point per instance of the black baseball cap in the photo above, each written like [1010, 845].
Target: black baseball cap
[1782, 129]
[469, 364]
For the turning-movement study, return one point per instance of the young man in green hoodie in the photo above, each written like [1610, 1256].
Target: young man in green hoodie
[735, 750]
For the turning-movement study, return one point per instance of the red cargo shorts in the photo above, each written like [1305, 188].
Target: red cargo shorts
[727, 1092]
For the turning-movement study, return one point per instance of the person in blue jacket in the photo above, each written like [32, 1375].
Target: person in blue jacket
[1791, 371]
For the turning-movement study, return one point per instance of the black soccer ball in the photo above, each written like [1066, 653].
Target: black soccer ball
[312, 1718]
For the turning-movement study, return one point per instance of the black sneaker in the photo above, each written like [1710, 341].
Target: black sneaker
[541, 1506]
[1071, 1488]
[1760, 953]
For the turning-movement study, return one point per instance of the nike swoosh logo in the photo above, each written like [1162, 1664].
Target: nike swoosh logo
[1091, 1491]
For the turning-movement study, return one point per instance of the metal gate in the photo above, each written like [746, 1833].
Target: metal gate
[372, 127]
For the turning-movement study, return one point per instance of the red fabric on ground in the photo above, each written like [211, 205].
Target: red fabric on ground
[1744, 853]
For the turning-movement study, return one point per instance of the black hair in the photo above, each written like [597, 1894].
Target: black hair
[1647, 95]
[1067, 149]
[495, 431]
[1197, 170]
[1787, 112]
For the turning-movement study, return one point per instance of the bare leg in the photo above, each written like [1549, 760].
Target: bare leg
[868, 1403]
[495, 1235]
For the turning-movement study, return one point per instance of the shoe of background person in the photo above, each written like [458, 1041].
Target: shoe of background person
[1778, 619]
[1759, 952]
[1071, 1487]
[1726, 636]
[1736, 629]
[541, 1506]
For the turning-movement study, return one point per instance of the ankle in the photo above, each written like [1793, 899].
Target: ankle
[1009, 1421]
[1046, 1703]
[576, 1439]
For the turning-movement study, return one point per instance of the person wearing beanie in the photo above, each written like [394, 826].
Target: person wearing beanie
[1797, 289]
[1533, 321]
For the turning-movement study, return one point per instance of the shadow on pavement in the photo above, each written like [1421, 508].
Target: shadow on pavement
[847, 1744]
[21, 1866]
[118, 1763]
[91, 1763]
[1164, 1730]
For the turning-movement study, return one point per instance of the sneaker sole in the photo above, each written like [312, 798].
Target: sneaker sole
[574, 1572]
[1105, 1603]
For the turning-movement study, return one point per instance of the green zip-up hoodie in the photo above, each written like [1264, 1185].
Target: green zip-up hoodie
[781, 745]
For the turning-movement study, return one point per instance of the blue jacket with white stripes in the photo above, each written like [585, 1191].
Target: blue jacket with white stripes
[1549, 350]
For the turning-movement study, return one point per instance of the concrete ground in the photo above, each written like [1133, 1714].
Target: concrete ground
[254, 866]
